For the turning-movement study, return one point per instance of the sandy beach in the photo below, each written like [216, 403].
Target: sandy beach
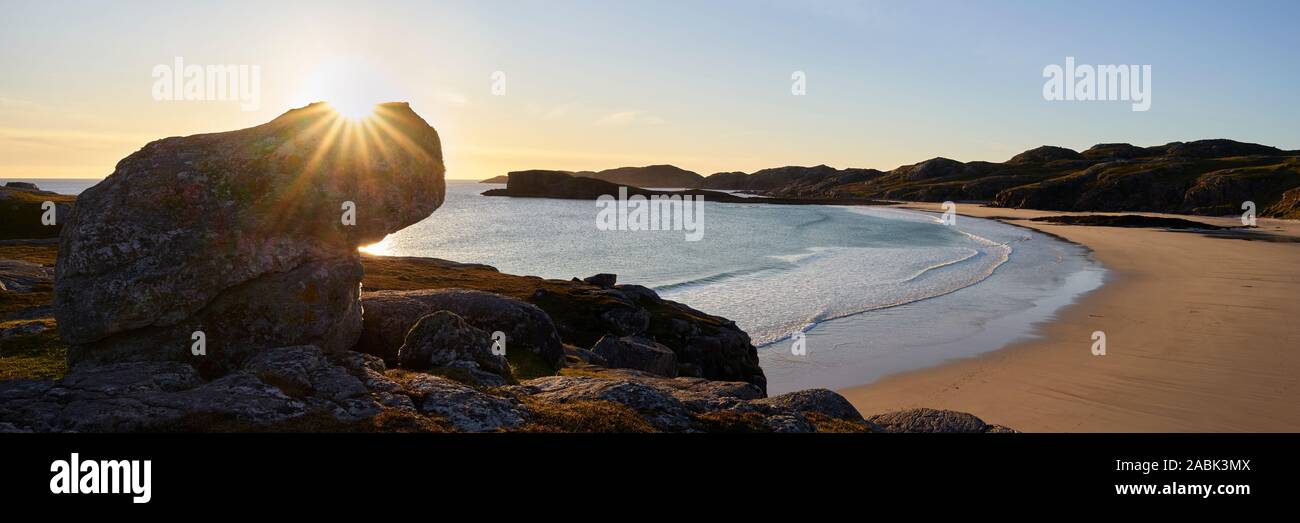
[1202, 332]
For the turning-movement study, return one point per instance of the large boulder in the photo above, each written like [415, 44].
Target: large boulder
[241, 235]
[389, 315]
[635, 352]
[442, 339]
[316, 301]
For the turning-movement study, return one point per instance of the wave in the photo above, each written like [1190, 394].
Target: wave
[713, 278]
[788, 262]
[1001, 253]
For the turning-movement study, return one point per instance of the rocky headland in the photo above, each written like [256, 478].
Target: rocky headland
[23, 207]
[647, 176]
[1203, 177]
[563, 185]
[213, 282]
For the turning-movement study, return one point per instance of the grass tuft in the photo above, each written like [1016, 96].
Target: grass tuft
[40, 356]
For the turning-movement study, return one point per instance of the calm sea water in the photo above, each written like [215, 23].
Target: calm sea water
[875, 290]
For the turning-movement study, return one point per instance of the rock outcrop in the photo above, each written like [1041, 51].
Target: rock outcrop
[249, 236]
[1288, 206]
[767, 179]
[303, 388]
[559, 184]
[22, 276]
[635, 352]
[931, 420]
[275, 386]
[443, 339]
[706, 346]
[648, 176]
[391, 314]
[23, 209]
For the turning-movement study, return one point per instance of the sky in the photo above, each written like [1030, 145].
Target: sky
[705, 85]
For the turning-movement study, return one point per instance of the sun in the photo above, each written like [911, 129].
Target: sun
[353, 109]
[351, 86]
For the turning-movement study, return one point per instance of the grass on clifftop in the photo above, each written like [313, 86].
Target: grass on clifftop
[584, 416]
[39, 253]
[40, 356]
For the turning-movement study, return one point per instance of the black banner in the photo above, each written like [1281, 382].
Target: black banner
[230, 471]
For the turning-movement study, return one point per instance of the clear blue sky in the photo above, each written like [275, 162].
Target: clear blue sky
[704, 85]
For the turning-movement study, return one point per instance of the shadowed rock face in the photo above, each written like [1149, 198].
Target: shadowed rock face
[633, 352]
[442, 339]
[182, 227]
[390, 315]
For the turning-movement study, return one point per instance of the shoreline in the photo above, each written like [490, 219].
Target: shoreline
[1038, 275]
[1199, 331]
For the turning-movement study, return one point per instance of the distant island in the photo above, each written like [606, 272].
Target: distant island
[1203, 177]
[563, 185]
[668, 176]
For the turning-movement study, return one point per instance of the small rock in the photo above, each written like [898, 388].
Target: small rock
[786, 423]
[639, 294]
[400, 402]
[604, 280]
[443, 339]
[634, 352]
[21, 276]
[469, 373]
[26, 329]
[585, 355]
